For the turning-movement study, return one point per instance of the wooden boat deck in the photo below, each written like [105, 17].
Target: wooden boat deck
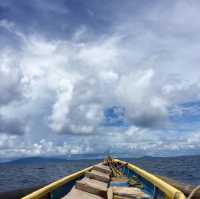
[95, 186]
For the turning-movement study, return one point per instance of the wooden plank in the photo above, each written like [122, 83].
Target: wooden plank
[122, 197]
[129, 192]
[102, 168]
[119, 179]
[98, 176]
[78, 194]
[92, 186]
[110, 193]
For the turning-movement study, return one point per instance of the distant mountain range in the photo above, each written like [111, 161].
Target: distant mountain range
[37, 159]
[94, 156]
[54, 159]
[62, 158]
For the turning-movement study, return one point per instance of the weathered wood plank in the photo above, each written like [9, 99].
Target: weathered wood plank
[119, 179]
[78, 194]
[110, 193]
[129, 192]
[92, 186]
[98, 176]
[102, 168]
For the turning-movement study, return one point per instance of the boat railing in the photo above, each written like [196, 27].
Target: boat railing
[169, 190]
[45, 192]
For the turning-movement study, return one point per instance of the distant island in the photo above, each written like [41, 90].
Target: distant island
[76, 157]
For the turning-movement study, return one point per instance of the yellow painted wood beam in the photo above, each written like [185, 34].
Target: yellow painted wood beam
[170, 191]
[53, 186]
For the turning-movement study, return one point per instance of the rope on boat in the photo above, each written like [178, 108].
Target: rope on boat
[193, 192]
[117, 172]
[110, 163]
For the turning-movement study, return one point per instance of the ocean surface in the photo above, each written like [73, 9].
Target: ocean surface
[22, 174]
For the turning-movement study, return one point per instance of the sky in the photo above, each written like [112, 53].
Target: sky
[97, 76]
